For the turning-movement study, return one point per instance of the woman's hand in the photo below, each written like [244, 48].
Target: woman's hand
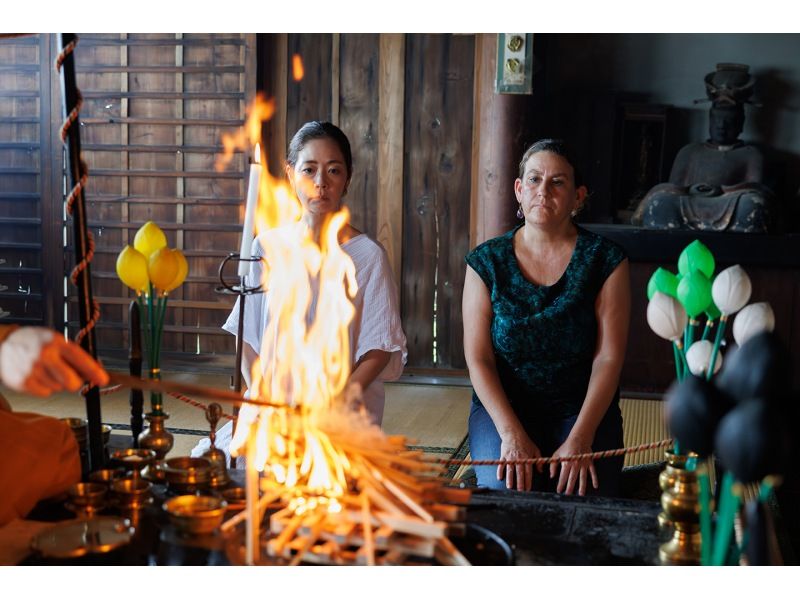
[517, 445]
[574, 471]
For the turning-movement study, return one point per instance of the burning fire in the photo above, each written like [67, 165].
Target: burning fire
[297, 67]
[320, 458]
[306, 342]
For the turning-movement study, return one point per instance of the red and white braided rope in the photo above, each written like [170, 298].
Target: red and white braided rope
[532, 461]
[194, 403]
[180, 397]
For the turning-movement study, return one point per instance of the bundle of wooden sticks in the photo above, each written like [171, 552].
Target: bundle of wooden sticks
[396, 508]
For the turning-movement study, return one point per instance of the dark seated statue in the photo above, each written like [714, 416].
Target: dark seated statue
[716, 185]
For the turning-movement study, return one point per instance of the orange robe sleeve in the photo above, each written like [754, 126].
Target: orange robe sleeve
[38, 459]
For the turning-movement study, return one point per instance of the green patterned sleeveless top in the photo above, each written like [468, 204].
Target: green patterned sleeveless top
[544, 337]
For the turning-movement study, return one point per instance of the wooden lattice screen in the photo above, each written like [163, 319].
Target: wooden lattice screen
[156, 107]
[29, 209]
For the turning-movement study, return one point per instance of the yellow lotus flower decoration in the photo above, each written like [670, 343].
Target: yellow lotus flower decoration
[132, 269]
[149, 239]
[152, 270]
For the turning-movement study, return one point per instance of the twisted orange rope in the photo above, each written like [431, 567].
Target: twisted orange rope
[531, 461]
[194, 403]
[180, 397]
[543, 460]
[72, 117]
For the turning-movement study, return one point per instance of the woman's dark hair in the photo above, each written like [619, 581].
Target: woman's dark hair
[320, 130]
[556, 146]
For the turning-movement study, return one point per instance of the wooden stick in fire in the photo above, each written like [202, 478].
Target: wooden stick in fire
[195, 390]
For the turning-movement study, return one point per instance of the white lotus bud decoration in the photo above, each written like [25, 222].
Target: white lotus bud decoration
[699, 355]
[731, 290]
[666, 316]
[753, 319]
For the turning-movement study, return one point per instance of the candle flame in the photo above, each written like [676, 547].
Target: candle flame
[257, 154]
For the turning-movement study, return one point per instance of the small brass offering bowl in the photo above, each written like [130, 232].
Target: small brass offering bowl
[236, 498]
[131, 492]
[87, 496]
[133, 459]
[187, 474]
[106, 476]
[195, 514]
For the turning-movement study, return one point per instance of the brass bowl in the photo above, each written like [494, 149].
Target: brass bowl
[80, 429]
[195, 514]
[235, 497]
[187, 473]
[131, 492]
[106, 476]
[87, 495]
[76, 424]
[106, 429]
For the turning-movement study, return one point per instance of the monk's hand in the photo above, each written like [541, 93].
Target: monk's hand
[574, 474]
[39, 361]
[516, 445]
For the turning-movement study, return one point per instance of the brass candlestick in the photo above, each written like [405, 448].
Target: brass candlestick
[219, 467]
[666, 481]
[681, 504]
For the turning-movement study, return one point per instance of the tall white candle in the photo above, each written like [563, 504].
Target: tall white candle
[249, 213]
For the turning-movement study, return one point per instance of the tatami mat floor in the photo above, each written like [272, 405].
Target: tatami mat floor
[430, 416]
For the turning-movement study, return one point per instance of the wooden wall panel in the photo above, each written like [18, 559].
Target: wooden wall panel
[358, 118]
[310, 98]
[438, 132]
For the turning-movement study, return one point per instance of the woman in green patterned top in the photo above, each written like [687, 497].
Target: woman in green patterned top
[546, 309]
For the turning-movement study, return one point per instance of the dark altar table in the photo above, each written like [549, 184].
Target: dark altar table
[551, 529]
[542, 529]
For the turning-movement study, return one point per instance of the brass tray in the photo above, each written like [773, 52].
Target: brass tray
[78, 537]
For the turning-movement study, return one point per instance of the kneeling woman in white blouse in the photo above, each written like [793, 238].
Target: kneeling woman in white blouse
[319, 166]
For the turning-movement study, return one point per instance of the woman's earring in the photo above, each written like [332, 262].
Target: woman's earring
[573, 213]
[520, 215]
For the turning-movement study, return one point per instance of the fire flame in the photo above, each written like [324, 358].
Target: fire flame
[306, 342]
[297, 67]
[320, 458]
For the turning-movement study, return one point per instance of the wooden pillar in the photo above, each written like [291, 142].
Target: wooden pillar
[391, 90]
[498, 141]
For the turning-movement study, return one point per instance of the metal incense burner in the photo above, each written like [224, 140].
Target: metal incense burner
[217, 459]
